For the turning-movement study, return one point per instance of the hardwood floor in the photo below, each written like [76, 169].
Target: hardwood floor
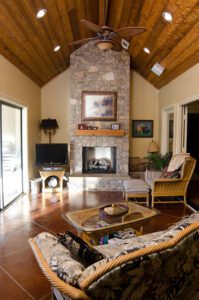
[20, 275]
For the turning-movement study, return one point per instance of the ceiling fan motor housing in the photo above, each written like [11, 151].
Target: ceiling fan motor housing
[105, 45]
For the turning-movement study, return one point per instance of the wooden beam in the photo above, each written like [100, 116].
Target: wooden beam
[116, 8]
[63, 13]
[135, 9]
[103, 12]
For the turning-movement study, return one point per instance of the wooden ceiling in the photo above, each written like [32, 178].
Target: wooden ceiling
[28, 42]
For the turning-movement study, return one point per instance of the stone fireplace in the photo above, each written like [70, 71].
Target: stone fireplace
[99, 160]
[94, 70]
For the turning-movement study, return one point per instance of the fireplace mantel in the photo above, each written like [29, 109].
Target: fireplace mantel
[100, 132]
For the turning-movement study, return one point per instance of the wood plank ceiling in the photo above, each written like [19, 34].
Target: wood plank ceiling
[28, 42]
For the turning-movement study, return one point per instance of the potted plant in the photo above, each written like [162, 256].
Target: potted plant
[158, 161]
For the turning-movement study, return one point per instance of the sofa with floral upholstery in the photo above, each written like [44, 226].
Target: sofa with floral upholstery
[160, 265]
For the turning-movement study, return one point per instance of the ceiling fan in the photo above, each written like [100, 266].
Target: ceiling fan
[108, 38]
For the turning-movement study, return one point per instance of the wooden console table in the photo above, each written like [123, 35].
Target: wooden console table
[47, 175]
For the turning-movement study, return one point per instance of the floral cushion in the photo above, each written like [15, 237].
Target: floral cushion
[168, 275]
[58, 258]
[174, 174]
[138, 242]
[57, 295]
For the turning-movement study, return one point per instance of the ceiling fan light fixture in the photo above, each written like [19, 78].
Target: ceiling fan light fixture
[57, 48]
[105, 45]
[41, 13]
[146, 50]
[167, 16]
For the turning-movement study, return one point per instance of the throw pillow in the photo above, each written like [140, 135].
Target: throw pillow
[174, 174]
[79, 249]
[58, 258]
[177, 161]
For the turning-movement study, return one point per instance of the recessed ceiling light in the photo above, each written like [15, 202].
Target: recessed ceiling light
[167, 16]
[146, 50]
[157, 69]
[41, 13]
[57, 48]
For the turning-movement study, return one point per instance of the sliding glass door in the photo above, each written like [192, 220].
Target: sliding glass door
[11, 153]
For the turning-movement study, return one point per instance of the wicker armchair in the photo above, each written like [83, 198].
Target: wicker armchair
[171, 187]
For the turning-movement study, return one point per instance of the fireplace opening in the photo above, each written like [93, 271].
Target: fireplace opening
[99, 160]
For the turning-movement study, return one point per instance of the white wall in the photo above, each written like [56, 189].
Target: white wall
[182, 90]
[144, 105]
[184, 87]
[55, 97]
[17, 88]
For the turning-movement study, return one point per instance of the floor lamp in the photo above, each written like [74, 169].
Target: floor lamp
[49, 127]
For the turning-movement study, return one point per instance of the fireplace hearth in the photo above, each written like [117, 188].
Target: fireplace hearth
[99, 160]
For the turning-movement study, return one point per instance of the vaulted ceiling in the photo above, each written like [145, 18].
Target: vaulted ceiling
[28, 42]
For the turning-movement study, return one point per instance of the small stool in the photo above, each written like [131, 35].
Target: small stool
[136, 188]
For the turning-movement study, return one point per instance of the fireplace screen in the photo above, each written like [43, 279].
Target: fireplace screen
[99, 160]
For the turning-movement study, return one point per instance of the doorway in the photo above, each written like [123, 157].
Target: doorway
[192, 143]
[11, 184]
[167, 131]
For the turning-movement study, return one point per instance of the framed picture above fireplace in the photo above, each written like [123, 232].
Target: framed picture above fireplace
[99, 106]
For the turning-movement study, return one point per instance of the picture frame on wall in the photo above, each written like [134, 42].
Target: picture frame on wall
[142, 128]
[99, 106]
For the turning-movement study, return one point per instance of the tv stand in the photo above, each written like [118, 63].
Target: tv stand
[52, 180]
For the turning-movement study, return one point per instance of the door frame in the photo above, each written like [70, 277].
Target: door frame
[24, 136]
[166, 111]
[178, 120]
[179, 124]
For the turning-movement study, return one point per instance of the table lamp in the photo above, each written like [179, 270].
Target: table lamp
[49, 127]
[152, 147]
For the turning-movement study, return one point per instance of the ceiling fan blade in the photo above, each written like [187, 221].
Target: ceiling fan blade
[82, 41]
[91, 26]
[116, 45]
[130, 31]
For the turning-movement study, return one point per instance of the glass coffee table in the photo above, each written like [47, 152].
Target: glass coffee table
[92, 223]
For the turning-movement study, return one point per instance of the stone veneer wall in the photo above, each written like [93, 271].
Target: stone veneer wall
[94, 70]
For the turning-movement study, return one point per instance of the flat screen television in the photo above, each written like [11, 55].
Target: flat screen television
[51, 154]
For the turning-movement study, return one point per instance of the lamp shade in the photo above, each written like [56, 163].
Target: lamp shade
[49, 124]
[152, 147]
